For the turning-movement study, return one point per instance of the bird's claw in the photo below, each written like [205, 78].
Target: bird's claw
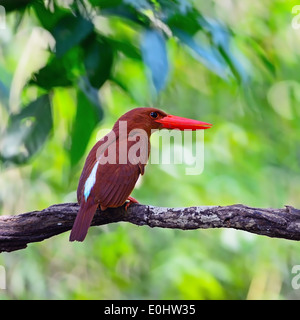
[131, 200]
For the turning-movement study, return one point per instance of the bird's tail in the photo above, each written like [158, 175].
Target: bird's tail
[83, 220]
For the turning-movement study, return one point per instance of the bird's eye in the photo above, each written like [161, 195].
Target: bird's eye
[153, 115]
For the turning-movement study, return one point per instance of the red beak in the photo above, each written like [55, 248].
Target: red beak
[174, 122]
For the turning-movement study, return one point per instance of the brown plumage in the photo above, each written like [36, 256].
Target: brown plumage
[109, 184]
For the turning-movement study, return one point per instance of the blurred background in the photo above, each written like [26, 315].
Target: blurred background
[71, 68]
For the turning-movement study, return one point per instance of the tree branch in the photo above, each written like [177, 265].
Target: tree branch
[19, 230]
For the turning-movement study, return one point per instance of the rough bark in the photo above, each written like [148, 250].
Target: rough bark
[17, 231]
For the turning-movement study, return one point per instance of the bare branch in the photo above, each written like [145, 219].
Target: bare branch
[19, 230]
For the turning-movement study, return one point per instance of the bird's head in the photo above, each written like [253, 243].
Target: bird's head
[151, 118]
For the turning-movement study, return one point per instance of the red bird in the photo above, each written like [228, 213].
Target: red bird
[115, 162]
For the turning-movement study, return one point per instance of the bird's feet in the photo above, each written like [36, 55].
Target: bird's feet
[130, 201]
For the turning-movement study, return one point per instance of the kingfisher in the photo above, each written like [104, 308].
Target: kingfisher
[116, 161]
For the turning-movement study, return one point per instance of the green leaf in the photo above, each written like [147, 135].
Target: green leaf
[154, 54]
[207, 55]
[126, 48]
[216, 53]
[69, 32]
[47, 18]
[221, 38]
[98, 61]
[92, 95]
[60, 71]
[187, 21]
[105, 3]
[14, 5]
[88, 114]
[54, 74]
[137, 4]
[127, 12]
[27, 131]
[182, 6]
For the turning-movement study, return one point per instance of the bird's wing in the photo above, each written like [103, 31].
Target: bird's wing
[108, 184]
[115, 183]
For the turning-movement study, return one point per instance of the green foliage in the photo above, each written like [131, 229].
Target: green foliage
[155, 57]
[27, 131]
[84, 125]
[67, 71]
[81, 50]
[98, 60]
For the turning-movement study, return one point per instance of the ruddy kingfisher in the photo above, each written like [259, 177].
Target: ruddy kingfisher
[116, 161]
